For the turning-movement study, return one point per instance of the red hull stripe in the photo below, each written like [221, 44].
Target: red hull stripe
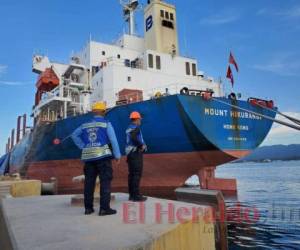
[161, 171]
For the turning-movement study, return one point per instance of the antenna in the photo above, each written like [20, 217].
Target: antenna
[129, 7]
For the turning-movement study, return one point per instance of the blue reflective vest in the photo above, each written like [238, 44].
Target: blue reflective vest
[133, 145]
[93, 139]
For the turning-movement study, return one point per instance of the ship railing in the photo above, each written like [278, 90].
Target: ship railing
[168, 89]
[61, 94]
[72, 86]
[48, 116]
[173, 89]
[134, 64]
[55, 94]
[153, 93]
[49, 95]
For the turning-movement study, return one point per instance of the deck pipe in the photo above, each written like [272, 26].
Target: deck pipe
[24, 124]
[18, 128]
[12, 142]
[8, 144]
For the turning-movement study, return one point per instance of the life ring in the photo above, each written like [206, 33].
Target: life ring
[184, 91]
[56, 141]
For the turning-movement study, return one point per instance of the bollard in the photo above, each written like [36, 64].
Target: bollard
[50, 188]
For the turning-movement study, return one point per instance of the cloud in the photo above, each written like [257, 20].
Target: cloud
[226, 17]
[283, 64]
[262, 12]
[13, 83]
[291, 13]
[3, 69]
[280, 68]
[280, 134]
[279, 130]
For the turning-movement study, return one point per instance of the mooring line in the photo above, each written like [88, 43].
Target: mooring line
[258, 114]
[292, 119]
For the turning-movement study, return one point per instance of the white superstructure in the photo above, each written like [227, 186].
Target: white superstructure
[132, 69]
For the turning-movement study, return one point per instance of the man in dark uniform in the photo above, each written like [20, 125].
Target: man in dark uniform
[135, 147]
[99, 146]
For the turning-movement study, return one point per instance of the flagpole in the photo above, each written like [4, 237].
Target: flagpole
[233, 62]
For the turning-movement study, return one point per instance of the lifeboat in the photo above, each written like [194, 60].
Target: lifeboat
[261, 102]
[47, 81]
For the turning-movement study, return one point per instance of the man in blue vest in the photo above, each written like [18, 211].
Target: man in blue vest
[135, 147]
[99, 146]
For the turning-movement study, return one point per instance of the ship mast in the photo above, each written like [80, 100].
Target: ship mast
[129, 8]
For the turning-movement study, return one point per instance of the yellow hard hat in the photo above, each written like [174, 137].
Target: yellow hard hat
[99, 106]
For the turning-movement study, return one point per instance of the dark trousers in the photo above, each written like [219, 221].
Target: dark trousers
[103, 168]
[135, 171]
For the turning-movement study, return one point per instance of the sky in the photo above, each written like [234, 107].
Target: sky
[264, 36]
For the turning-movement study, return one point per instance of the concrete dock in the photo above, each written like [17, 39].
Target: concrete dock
[50, 222]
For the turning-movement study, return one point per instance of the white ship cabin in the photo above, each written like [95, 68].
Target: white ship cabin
[131, 70]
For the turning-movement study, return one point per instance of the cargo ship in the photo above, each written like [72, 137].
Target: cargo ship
[189, 124]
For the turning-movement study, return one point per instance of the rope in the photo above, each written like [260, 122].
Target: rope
[258, 114]
[292, 119]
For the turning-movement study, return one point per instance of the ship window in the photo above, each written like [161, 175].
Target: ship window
[158, 63]
[171, 16]
[103, 53]
[194, 69]
[187, 68]
[119, 56]
[150, 60]
[95, 70]
[129, 78]
[167, 15]
[127, 62]
[167, 24]
[162, 13]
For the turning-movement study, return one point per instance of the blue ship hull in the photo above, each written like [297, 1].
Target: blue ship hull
[186, 131]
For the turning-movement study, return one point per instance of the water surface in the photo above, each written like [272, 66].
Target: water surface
[266, 213]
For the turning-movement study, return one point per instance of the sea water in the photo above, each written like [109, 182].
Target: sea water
[266, 212]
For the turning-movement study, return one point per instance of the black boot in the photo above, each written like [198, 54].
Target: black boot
[89, 211]
[139, 198]
[107, 212]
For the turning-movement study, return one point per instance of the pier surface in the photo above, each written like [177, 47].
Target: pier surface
[52, 223]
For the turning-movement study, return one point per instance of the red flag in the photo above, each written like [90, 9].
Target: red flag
[233, 62]
[230, 75]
